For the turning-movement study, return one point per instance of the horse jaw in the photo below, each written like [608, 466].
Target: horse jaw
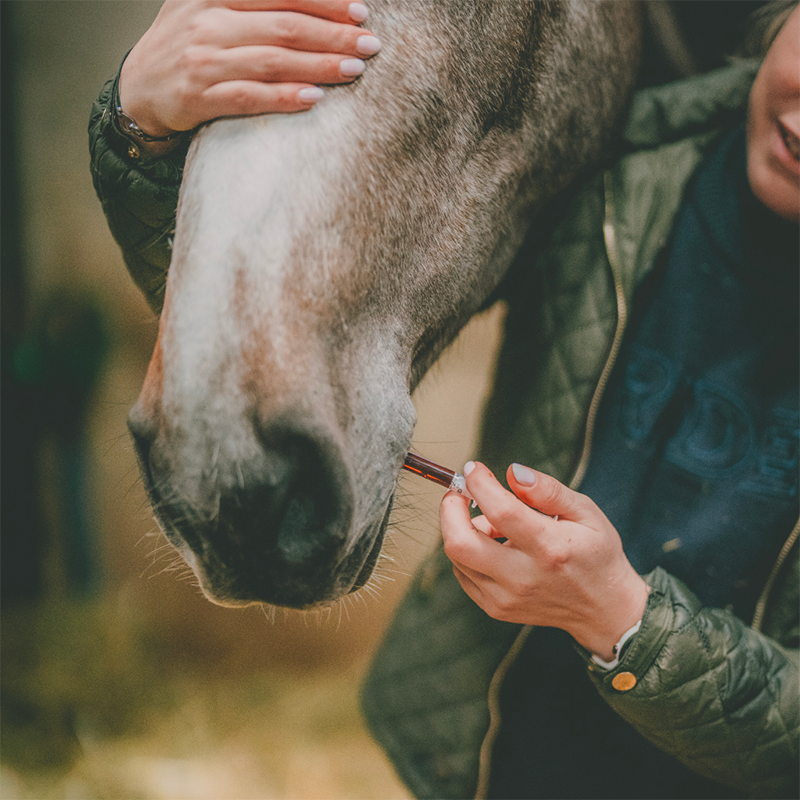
[321, 263]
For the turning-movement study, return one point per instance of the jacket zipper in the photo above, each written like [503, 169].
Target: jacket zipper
[761, 606]
[487, 747]
[610, 239]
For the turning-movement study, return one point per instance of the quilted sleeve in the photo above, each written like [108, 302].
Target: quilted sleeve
[139, 196]
[719, 696]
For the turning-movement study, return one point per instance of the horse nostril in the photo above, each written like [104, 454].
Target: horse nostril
[305, 506]
[291, 516]
[306, 524]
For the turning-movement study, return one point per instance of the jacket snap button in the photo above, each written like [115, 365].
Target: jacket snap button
[624, 682]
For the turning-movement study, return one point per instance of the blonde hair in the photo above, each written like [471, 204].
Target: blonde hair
[763, 26]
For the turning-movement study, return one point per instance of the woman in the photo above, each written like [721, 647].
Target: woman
[641, 677]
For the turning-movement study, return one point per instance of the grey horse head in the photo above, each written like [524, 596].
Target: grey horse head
[323, 261]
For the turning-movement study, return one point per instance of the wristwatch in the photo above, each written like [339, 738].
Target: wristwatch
[618, 649]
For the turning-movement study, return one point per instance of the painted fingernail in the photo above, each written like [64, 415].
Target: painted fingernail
[311, 94]
[468, 467]
[524, 475]
[368, 45]
[358, 12]
[350, 67]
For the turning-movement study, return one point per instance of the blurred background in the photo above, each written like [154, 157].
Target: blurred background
[119, 680]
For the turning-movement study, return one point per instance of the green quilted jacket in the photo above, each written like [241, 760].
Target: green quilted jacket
[139, 196]
[720, 695]
[715, 692]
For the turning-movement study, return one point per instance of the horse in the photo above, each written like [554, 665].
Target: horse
[322, 262]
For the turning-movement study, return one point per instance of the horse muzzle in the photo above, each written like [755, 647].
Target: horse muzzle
[275, 527]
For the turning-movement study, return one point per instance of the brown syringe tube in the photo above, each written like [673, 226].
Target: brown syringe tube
[430, 470]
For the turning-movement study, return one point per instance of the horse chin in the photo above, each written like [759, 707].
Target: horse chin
[348, 577]
[226, 602]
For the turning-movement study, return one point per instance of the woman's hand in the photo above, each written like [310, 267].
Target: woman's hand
[203, 59]
[569, 573]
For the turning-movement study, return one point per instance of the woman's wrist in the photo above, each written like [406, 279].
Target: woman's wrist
[628, 608]
[125, 100]
[143, 141]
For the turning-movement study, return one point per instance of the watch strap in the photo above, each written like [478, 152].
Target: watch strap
[617, 649]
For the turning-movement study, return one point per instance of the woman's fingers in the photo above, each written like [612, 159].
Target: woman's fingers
[195, 62]
[469, 543]
[462, 541]
[485, 527]
[353, 12]
[248, 98]
[521, 524]
[550, 496]
[280, 65]
[227, 28]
